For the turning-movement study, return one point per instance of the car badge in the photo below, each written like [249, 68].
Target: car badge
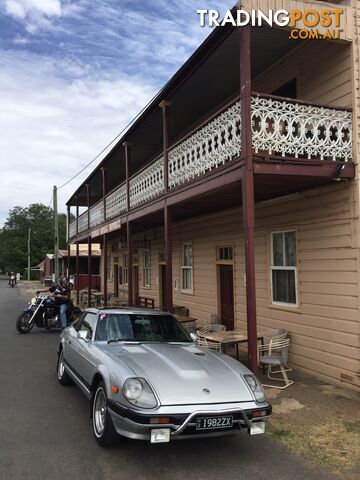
[206, 390]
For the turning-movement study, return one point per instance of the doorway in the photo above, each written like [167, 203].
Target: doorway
[116, 280]
[162, 286]
[226, 294]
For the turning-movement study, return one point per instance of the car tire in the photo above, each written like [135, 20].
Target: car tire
[102, 424]
[62, 375]
[22, 325]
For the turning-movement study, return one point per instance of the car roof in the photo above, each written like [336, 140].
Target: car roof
[133, 310]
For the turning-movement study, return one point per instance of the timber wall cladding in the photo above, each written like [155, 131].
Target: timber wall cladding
[322, 70]
[325, 328]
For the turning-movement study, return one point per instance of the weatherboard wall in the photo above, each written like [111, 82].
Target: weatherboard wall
[324, 328]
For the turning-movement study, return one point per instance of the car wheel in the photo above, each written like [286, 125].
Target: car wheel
[102, 424]
[23, 324]
[62, 375]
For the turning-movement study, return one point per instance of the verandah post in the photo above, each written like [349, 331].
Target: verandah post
[248, 206]
[77, 274]
[89, 271]
[104, 252]
[168, 255]
[130, 263]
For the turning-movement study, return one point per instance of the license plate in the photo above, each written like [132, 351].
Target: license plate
[209, 423]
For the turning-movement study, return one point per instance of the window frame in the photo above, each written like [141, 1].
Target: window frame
[283, 268]
[147, 269]
[187, 267]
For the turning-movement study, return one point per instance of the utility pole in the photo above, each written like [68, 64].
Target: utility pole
[29, 240]
[56, 236]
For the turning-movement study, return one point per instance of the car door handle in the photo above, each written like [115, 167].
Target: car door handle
[69, 342]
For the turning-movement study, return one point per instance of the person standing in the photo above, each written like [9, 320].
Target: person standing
[62, 297]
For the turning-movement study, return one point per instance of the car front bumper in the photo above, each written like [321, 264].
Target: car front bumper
[139, 425]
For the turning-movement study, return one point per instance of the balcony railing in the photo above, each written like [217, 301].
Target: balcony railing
[283, 127]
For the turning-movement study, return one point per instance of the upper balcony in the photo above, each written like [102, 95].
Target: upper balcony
[301, 128]
[281, 128]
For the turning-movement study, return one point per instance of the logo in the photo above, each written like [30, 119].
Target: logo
[321, 24]
[206, 390]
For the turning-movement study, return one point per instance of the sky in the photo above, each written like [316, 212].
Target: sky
[73, 73]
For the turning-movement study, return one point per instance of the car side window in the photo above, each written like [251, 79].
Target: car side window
[78, 322]
[89, 323]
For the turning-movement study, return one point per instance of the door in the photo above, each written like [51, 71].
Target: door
[80, 355]
[162, 286]
[226, 289]
[116, 280]
[136, 285]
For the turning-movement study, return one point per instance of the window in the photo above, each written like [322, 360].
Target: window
[147, 271]
[125, 269]
[283, 268]
[85, 322]
[186, 267]
[225, 254]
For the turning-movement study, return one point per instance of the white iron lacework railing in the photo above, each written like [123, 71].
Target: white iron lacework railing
[72, 229]
[208, 148]
[116, 202]
[298, 130]
[97, 214]
[148, 184]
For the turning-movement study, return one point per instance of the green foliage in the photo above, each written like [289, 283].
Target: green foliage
[14, 236]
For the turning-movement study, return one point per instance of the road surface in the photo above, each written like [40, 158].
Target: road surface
[45, 431]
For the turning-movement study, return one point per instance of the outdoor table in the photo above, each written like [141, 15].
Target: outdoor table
[228, 337]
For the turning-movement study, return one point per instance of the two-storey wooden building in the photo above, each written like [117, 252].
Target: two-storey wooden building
[235, 194]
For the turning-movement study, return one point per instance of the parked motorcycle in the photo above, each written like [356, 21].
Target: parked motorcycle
[44, 312]
[12, 281]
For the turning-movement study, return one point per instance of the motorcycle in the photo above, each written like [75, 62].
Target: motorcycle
[12, 281]
[44, 312]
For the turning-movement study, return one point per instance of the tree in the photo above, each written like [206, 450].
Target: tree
[14, 236]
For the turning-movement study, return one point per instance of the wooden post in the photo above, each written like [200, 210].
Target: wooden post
[88, 204]
[103, 171]
[104, 252]
[168, 255]
[130, 263]
[77, 215]
[164, 105]
[68, 243]
[126, 145]
[89, 271]
[248, 207]
[77, 274]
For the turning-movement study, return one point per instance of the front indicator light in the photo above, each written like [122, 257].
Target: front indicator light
[160, 435]
[114, 389]
[161, 420]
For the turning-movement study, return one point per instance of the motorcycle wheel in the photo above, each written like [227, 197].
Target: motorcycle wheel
[22, 322]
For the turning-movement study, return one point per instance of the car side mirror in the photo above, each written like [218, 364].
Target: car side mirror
[83, 335]
[193, 337]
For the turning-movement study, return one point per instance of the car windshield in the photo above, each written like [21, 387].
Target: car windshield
[139, 328]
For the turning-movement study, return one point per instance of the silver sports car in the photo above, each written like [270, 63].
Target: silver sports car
[147, 379]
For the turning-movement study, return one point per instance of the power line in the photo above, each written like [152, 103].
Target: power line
[115, 138]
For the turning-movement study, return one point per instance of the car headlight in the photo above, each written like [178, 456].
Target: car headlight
[138, 392]
[256, 388]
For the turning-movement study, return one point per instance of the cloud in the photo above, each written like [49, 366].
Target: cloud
[72, 75]
[51, 125]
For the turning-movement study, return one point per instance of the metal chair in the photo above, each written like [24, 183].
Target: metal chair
[203, 342]
[275, 353]
[216, 327]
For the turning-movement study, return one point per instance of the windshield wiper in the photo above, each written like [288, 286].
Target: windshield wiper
[114, 340]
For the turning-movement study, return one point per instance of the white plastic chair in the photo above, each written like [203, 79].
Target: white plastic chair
[275, 354]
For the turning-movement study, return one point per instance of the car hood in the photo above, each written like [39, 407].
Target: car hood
[186, 374]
